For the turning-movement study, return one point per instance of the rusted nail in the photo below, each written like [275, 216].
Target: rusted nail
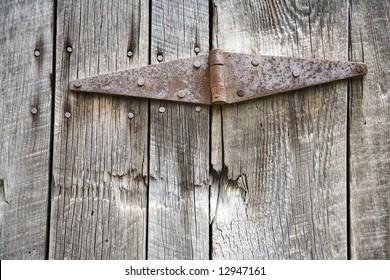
[69, 49]
[255, 62]
[129, 53]
[198, 109]
[240, 93]
[34, 111]
[161, 109]
[197, 49]
[295, 73]
[160, 57]
[359, 68]
[182, 93]
[37, 53]
[196, 63]
[67, 115]
[140, 81]
[77, 84]
[130, 115]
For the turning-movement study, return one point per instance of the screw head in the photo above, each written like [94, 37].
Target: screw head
[160, 57]
[140, 81]
[295, 73]
[69, 49]
[198, 109]
[196, 63]
[161, 109]
[37, 53]
[34, 111]
[130, 115]
[129, 53]
[77, 84]
[255, 62]
[240, 93]
[67, 115]
[197, 49]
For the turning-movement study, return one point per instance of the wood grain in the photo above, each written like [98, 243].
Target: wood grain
[99, 191]
[281, 190]
[179, 142]
[25, 27]
[370, 131]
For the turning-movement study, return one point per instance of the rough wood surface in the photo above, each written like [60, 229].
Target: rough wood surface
[281, 193]
[24, 137]
[179, 142]
[99, 191]
[370, 131]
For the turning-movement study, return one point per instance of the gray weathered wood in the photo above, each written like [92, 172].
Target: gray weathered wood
[281, 193]
[24, 137]
[99, 191]
[370, 131]
[179, 142]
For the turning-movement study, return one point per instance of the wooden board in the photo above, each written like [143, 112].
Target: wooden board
[25, 137]
[99, 190]
[179, 142]
[280, 192]
[370, 131]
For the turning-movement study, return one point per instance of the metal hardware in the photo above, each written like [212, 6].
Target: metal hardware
[69, 49]
[37, 53]
[34, 110]
[220, 77]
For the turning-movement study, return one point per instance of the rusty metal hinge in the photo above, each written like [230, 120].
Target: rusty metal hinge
[219, 78]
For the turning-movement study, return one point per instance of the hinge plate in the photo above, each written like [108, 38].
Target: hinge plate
[219, 78]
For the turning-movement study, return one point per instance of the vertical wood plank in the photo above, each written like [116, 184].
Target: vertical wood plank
[25, 117]
[179, 142]
[370, 131]
[99, 191]
[281, 193]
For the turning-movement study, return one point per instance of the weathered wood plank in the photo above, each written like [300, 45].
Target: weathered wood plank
[370, 131]
[99, 192]
[282, 191]
[179, 142]
[26, 26]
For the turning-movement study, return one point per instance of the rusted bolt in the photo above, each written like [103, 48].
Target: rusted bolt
[196, 63]
[67, 115]
[255, 62]
[197, 49]
[34, 111]
[182, 93]
[160, 57]
[140, 81]
[161, 109]
[37, 53]
[295, 73]
[359, 68]
[129, 53]
[77, 84]
[69, 49]
[240, 93]
[198, 109]
[130, 115]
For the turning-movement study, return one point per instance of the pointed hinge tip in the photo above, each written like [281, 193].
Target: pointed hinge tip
[220, 78]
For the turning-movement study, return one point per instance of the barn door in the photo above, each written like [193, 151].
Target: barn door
[299, 175]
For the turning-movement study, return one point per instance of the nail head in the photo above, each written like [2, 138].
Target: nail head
[198, 109]
[160, 57]
[197, 49]
[129, 53]
[140, 81]
[77, 84]
[37, 53]
[67, 115]
[69, 49]
[182, 93]
[34, 111]
[359, 68]
[161, 109]
[196, 63]
[255, 62]
[295, 73]
[130, 115]
[240, 93]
